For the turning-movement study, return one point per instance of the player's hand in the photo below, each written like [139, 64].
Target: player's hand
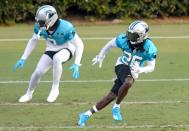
[135, 68]
[134, 75]
[75, 69]
[19, 64]
[98, 59]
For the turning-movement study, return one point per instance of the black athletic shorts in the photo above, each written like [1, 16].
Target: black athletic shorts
[122, 71]
[52, 53]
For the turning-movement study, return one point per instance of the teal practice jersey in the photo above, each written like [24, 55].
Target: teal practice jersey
[63, 32]
[131, 55]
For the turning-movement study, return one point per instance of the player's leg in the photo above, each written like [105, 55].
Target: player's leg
[119, 89]
[42, 67]
[123, 90]
[59, 58]
[104, 102]
[99, 106]
[126, 80]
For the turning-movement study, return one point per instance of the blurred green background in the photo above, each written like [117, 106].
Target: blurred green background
[20, 11]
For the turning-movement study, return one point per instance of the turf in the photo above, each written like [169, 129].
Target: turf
[38, 115]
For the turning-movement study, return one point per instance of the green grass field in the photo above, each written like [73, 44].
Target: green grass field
[158, 101]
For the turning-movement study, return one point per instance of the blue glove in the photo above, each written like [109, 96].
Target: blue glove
[75, 69]
[19, 63]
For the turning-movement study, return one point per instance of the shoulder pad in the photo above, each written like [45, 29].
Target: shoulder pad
[150, 49]
[121, 39]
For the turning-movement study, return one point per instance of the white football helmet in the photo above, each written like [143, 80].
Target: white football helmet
[137, 32]
[46, 16]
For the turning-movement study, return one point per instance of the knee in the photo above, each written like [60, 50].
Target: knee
[37, 73]
[128, 82]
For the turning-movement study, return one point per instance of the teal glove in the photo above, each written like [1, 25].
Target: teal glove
[19, 63]
[75, 69]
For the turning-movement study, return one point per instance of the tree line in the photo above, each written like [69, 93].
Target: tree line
[16, 11]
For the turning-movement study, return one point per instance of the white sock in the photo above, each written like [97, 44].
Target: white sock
[89, 113]
[55, 87]
[29, 92]
[95, 109]
[116, 105]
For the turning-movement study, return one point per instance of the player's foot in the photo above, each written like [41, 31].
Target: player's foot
[25, 98]
[116, 113]
[53, 95]
[83, 119]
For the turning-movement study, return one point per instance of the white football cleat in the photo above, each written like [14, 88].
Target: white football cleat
[25, 98]
[53, 95]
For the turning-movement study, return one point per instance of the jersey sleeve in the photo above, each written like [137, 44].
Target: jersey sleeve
[71, 34]
[151, 51]
[120, 40]
[69, 30]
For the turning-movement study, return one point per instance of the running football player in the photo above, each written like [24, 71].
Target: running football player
[139, 56]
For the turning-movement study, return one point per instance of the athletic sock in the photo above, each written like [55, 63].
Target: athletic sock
[92, 111]
[116, 105]
[29, 92]
[95, 109]
[89, 113]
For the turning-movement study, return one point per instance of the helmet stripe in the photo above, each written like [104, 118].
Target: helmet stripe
[133, 25]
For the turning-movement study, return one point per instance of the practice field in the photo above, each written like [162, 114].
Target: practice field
[158, 101]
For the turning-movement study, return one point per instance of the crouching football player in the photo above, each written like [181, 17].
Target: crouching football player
[62, 42]
[139, 54]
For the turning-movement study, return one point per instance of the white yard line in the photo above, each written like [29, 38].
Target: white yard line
[102, 38]
[92, 81]
[65, 81]
[170, 37]
[87, 103]
[94, 127]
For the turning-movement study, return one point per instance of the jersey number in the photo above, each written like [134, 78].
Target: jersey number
[128, 59]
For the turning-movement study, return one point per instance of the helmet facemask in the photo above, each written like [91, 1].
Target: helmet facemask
[41, 23]
[133, 37]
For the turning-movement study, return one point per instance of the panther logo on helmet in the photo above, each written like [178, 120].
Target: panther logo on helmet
[46, 16]
[137, 32]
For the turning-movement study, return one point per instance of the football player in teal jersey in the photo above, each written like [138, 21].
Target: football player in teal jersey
[62, 42]
[138, 56]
